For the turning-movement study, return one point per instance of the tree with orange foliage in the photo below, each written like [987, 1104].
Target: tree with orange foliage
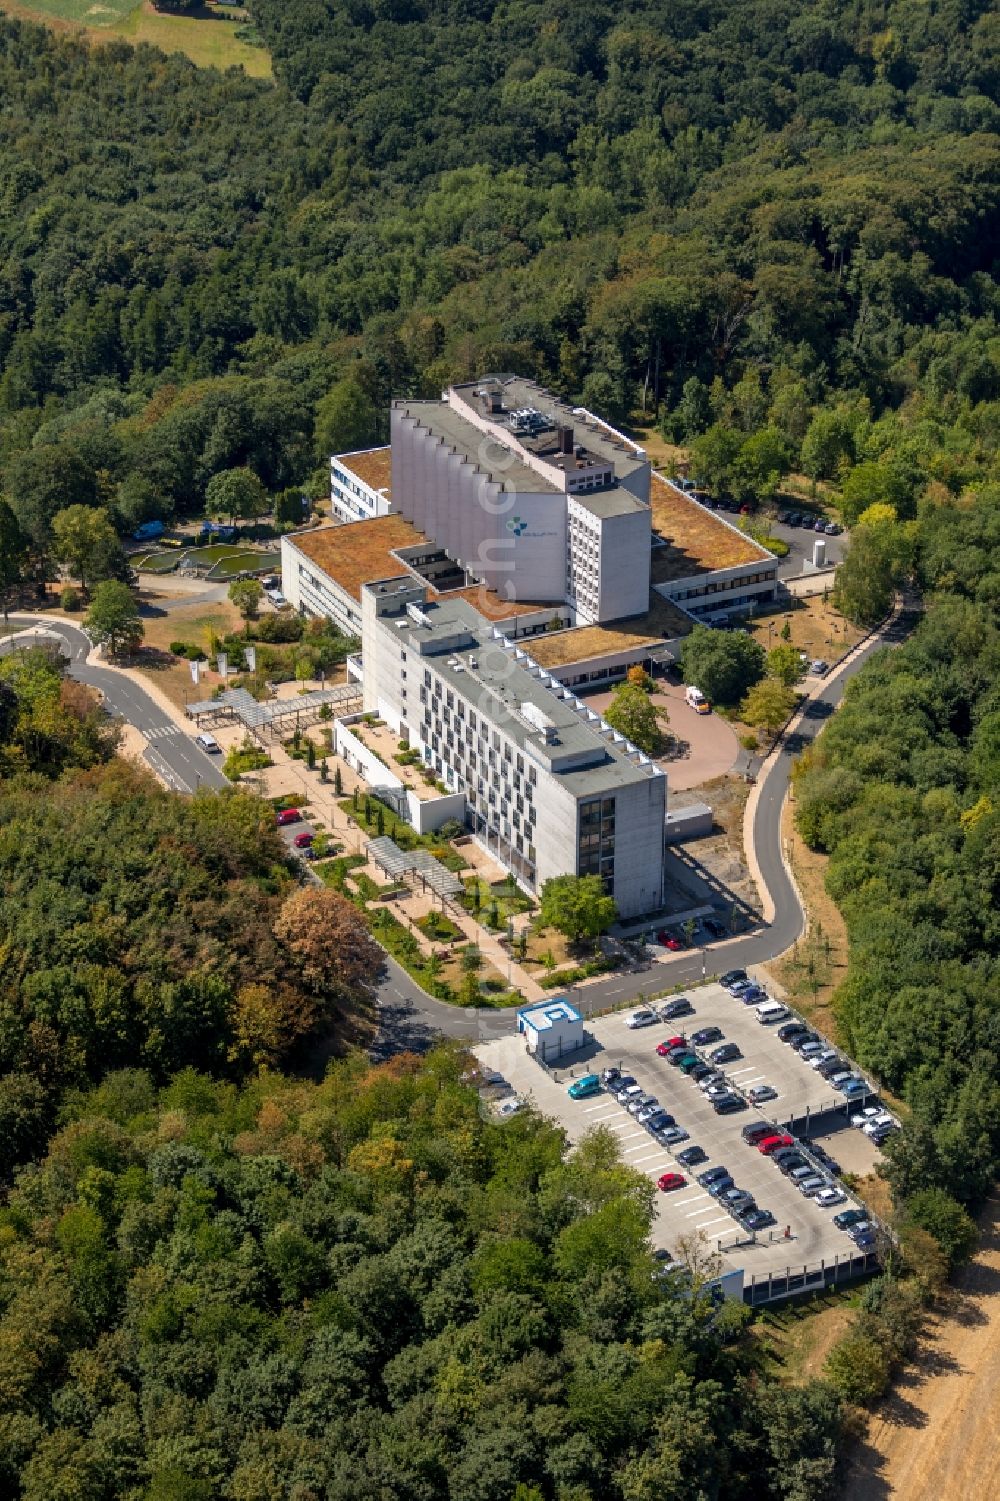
[328, 938]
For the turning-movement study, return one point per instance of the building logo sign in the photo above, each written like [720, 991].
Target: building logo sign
[517, 526]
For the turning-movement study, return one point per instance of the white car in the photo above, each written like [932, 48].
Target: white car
[813, 1186]
[208, 743]
[760, 1093]
[826, 1056]
[829, 1196]
[867, 1113]
[641, 1018]
[276, 597]
[876, 1122]
[509, 1107]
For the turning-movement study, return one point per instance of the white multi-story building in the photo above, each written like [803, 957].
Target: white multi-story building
[361, 484]
[529, 495]
[549, 788]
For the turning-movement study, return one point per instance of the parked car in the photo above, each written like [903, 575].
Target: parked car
[670, 1135]
[752, 1218]
[855, 1089]
[799, 1174]
[304, 840]
[753, 994]
[818, 667]
[828, 1070]
[760, 1093]
[788, 1030]
[711, 1175]
[671, 1181]
[657, 1120]
[641, 1018]
[732, 976]
[737, 987]
[623, 1082]
[648, 1112]
[865, 1239]
[670, 1010]
[867, 1113]
[832, 529]
[714, 928]
[669, 941]
[811, 1049]
[792, 1163]
[610, 1077]
[882, 1134]
[582, 1089]
[287, 816]
[729, 1104]
[810, 1187]
[628, 1093]
[691, 1156]
[756, 1131]
[706, 1035]
[509, 1107]
[727, 1053]
[827, 1197]
[718, 1186]
[838, 1079]
[677, 1041]
[699, 1072]
[772, 1144]
[798, 1042]
[688, 1062]
[715, 1090]
[848, 1217]
[770, 1012]
[208, 743]
[735, 1199]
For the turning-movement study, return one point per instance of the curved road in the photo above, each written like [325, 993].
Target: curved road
[411, 1017]
[172, 754]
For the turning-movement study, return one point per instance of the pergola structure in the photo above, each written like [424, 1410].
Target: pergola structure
[421, 864]
[270, 719]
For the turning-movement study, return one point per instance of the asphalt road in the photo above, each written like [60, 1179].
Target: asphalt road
[172, 754]
[411, 1018]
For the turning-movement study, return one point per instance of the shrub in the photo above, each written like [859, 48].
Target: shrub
[858, 1368]
[70, 598]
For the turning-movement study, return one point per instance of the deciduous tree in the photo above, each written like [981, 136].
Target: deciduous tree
[113, 619]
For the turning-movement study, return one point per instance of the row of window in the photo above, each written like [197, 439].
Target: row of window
[722, 586]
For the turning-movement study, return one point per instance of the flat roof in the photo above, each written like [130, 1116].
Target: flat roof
[697, 541]
[543, 1014]
[508, 687]
[614, 501]
[663, 621]
[472, 444]
[372, 466]
[595, 436]
[360, 551]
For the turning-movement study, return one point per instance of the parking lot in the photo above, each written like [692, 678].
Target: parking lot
[801, 1093]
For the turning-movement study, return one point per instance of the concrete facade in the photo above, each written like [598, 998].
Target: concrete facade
[358, 484]
[527, 495]
[549, 788]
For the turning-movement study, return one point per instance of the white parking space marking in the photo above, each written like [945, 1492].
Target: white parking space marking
[633, 1135]
[736, 1073]
[649, 1158]
[704, 1224]
[589, 1109]
[629, 1150]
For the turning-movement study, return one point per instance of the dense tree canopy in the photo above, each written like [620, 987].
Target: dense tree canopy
[363, 1289]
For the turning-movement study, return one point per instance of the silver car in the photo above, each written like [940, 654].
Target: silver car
[813, 1185]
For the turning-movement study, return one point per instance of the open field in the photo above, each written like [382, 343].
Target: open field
[208, 37]
[798, 1337]
[814, 627]
[934, 1436]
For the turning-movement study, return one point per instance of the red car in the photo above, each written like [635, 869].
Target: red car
[288, 815]
[663, 1048]
[772, 1143]
[670, 1181]
[669, 941]
[304, 840]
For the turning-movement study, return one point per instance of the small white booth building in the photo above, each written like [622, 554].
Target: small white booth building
[550, 1029]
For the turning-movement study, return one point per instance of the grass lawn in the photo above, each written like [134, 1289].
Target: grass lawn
[814, 627]
[208, 38]
[799, 1337]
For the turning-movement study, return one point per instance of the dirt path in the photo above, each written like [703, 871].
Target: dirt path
[935, 1437]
